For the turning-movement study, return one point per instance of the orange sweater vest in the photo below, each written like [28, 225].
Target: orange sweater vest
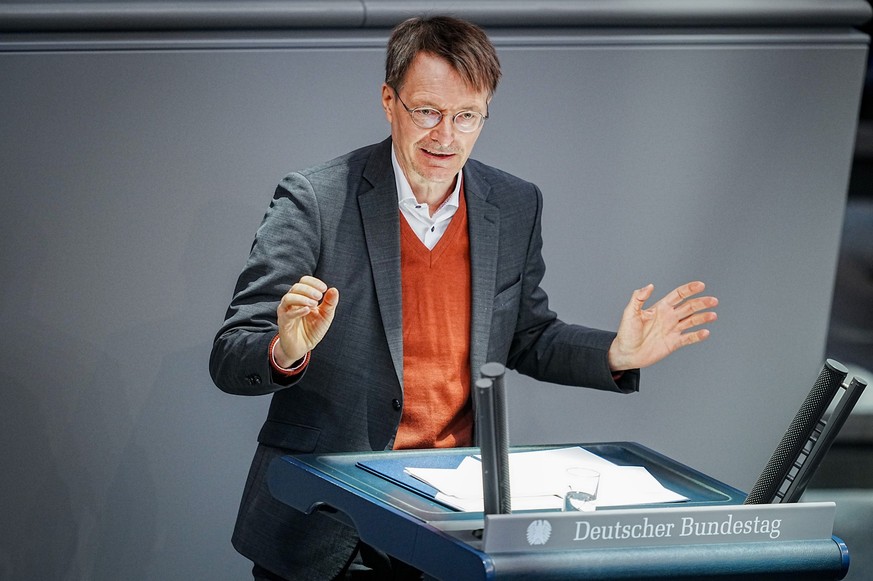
[437, 411]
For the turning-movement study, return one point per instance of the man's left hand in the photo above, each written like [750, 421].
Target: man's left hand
[645, 336]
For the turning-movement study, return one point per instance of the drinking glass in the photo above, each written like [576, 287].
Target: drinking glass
[582, 485]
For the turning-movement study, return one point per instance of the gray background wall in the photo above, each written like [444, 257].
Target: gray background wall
[137, 165]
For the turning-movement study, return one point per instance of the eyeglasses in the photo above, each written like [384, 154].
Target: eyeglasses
[429, 117]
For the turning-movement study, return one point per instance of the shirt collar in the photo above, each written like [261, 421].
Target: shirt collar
[404, 190]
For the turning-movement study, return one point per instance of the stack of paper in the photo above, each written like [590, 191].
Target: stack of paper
[538, 481]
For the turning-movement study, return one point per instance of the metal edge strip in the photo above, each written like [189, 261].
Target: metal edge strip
[199, 15]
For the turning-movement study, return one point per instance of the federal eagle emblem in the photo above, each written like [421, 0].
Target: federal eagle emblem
[538, 532]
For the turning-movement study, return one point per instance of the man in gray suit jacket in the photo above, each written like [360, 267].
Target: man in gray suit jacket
[336, 366]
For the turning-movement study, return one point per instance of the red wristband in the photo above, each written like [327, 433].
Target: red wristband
[288, 371]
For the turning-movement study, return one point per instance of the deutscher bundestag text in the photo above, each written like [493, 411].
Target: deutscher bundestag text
[686, 527]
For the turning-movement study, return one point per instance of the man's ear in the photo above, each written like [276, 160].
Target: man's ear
[387, 101]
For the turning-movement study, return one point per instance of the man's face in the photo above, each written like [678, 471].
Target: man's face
[431, 158]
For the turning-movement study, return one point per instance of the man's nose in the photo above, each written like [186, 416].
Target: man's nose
[444, 131]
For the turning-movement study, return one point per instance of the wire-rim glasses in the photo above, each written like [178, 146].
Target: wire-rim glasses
[430, 117]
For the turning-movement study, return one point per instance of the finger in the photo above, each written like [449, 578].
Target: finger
[305, 290]
[309, 286]
[696, 320]
[313, 293]
[315, 283]
[639, 297]
[680, 294]
[691, 338]
[293, 312]
[293, 298]
[698, 304]
[330, 300]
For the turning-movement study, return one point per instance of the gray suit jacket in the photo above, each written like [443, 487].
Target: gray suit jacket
[340, 222]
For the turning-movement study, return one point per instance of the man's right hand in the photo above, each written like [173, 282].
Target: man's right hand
[304, 316]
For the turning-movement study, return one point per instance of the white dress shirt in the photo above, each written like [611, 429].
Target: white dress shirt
[429, 229]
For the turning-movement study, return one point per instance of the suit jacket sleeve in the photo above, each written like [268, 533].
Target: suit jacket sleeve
[548, 349]
[239, 363]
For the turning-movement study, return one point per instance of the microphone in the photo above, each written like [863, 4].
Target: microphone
[492, 429]
[773, 479]
[819, 443]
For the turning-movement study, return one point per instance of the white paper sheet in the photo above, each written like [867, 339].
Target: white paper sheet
[538, 481]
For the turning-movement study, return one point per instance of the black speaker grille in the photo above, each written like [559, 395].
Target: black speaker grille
[767, 487]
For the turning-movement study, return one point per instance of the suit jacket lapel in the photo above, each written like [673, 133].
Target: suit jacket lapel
[381, 220]
[484, 226]
[380, 216]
